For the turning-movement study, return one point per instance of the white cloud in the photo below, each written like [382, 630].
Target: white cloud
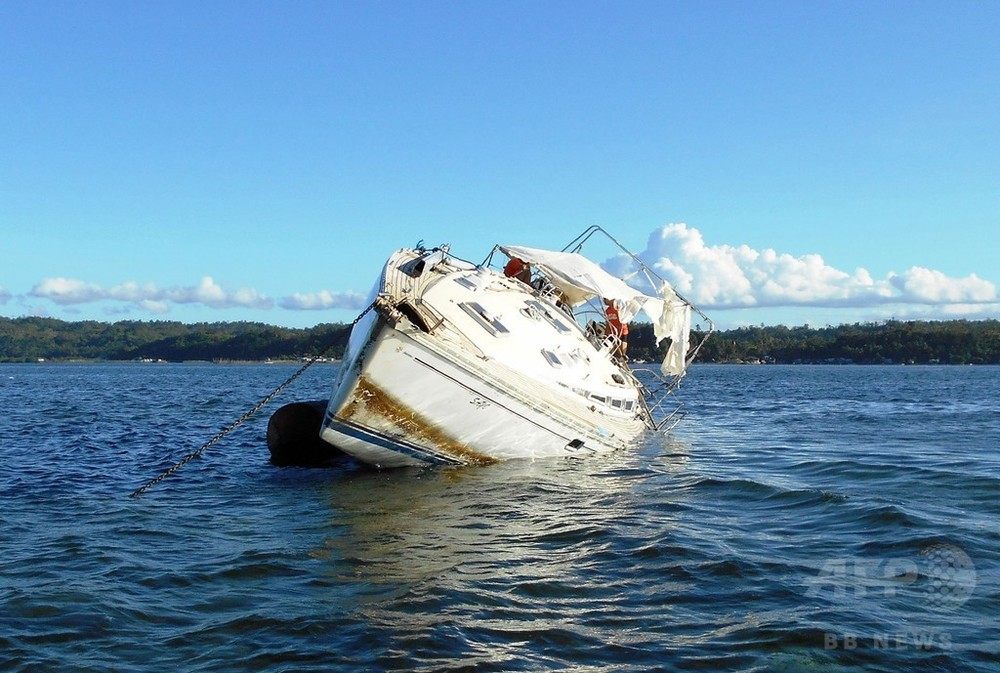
[210, 293]
[922, 285]
[322, 300]
[724, 277]
[4, 296]
[153, 306]
[131, 291]
[149, 297]
[68, 291]
[714, 277]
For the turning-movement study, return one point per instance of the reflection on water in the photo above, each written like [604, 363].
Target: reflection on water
[450, 518]
[537, 547]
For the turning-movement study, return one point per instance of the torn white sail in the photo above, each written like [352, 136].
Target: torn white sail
[675, 324]
[580, 279]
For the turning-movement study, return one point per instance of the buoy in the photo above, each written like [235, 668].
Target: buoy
[293, 436]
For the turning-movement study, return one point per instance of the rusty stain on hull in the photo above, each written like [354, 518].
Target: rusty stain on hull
[370, 402]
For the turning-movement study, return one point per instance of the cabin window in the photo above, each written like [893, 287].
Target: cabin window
[551, 358]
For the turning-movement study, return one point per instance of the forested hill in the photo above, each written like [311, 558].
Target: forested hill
[947, 342]
[891, 342]
[30, 339]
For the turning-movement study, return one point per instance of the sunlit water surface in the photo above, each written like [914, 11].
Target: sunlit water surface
[799, 519]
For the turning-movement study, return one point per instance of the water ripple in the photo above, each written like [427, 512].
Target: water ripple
[800, 519]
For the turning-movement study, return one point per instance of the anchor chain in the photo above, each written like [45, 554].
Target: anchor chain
[242, 419]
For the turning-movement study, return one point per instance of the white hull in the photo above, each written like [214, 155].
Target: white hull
[461, 365]
[410, 405]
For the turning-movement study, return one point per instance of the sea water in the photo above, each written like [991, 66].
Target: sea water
[801, 518]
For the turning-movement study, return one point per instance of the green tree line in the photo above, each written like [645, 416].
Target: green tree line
[890, 342]
[30, 339]
[946, 342]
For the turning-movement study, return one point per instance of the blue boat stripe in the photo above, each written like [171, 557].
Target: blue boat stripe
[379, 439]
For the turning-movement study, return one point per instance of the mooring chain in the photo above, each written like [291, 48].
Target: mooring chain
[242, 419]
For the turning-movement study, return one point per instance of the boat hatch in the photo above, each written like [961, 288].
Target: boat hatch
[558, 358]
[539, 309]
[490, 323]
[416, 267]
[476, 281]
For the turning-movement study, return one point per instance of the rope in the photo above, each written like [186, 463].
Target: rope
[242, 419]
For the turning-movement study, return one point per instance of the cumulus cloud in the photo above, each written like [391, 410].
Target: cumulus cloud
[67, 291]
[148, 296]
[714, 277]
[933, 287]
[153, 306]
[725, 276]
[322, 300]
[210, 293]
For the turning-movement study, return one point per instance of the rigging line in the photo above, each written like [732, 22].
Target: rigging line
[242, 419]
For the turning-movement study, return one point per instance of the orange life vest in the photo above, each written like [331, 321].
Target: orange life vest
[614, 320]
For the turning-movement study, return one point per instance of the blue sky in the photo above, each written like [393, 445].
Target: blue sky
[781, 162]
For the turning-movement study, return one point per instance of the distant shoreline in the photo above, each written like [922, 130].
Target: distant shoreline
[886, 343]
[145, 363]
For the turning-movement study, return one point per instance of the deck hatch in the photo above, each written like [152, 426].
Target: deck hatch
[488, 322]
[544, 312]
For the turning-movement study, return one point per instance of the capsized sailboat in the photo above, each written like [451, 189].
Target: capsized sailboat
[459, 363]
